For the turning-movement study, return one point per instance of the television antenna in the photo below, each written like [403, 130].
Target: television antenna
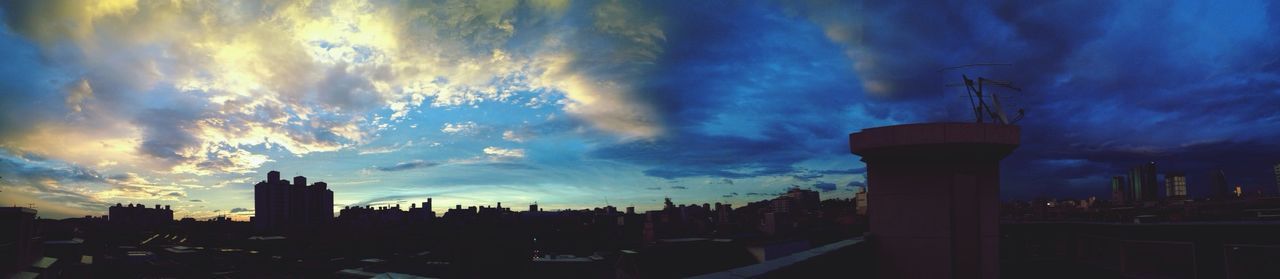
[978, 96]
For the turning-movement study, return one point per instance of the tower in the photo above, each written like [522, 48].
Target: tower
[1143, 180]
[1119, 195]
[1277, 172]
[937, 197]
[1175, 184]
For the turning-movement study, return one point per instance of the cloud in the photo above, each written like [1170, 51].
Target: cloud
[240, 210]
[825, 186]
[678, 187]
[1085, 71]
[385, 149]
[806, 176]
[842, 171]
[197, 201]
[513, 136]
[462, 128]
[504, 153]
[408, 165]
[653, 188]
[856, 183]
[229, 88]
[77, 94]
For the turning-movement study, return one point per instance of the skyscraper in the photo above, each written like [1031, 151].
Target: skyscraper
[1218, 185]
[1143, 181]
[1175, 184]
[1119, 191]
[279, 206]
[1277, 172]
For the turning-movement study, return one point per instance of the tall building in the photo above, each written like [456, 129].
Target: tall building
[1143, 181]
[1175, 184]
[279, 205]
[1119, 190]
[19, 240]
[1218, 185]
[1277, 172]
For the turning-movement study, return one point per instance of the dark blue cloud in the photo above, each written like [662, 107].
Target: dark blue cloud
[403, 166]
[1193, 87]
[825, 186]
[745, 91]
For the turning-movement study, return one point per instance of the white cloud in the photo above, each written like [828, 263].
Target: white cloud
[512, 136]
[461, 128]
[314, 77]
[503, 153]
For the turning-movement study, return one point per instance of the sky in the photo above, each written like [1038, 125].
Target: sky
[578, 104]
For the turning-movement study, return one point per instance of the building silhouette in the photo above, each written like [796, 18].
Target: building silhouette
[1175, 184]
[1143, 181]
[138, 215]
[1218, 185]
[860, 201]
[19, 240]
[805, 200]
[281, 206]
[937, 197]
[1119, 190]
[1277, 172]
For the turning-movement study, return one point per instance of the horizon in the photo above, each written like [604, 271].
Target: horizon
[580, 104]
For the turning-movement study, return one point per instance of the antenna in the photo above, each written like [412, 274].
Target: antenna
[978, 96]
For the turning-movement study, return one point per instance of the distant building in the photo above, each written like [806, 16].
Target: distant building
[1277, 172]
[421, 213]
[138, 215]
[533, 207]
[860, 201]
[1143, 181]
[783, 204]
[805, 200]
[280, 206]
[1175, 184]
[1218, 185]
[1119, 190]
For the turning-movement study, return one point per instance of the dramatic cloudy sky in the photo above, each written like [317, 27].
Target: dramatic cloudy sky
[572, 103]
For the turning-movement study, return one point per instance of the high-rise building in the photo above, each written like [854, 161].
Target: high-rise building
[1218, 185]
[533, 207]
[280, 206]
[1277, 172]
[1143, 181]
[20, 239]
[1119, 190]
[1175, 184]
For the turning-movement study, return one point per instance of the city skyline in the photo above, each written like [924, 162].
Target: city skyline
[570, 104]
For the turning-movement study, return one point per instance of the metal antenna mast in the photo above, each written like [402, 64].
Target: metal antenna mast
[978, 96]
